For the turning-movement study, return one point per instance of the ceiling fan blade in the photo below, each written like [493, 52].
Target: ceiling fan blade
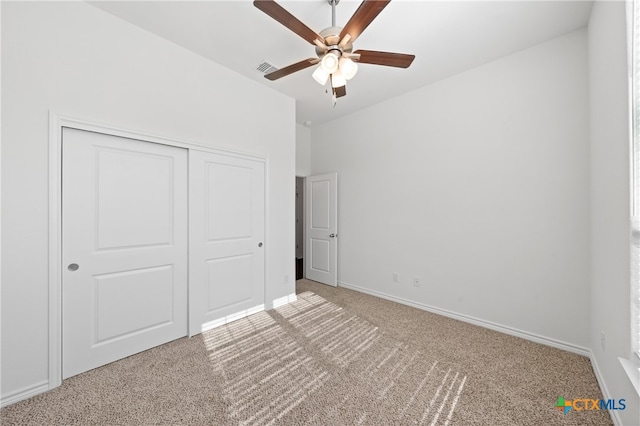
[400, 60]
[283, 72]
[340, 91]
[281, 15]
[364, 15]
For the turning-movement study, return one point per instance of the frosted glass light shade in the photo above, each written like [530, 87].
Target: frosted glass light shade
[337, 79]
[348, 68]
[330, 62]
[320, 75]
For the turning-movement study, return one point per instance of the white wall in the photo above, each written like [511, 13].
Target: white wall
[479, 186]
[303, 151]
[610, 204]
[80, 61]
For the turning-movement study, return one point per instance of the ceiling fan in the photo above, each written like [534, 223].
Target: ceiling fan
[334, 45]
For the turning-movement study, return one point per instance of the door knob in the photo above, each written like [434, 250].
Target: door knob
[332, 235]
[259, 244]
[73, 267]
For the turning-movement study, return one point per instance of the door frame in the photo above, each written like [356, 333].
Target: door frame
[304, 230]
[56, 123]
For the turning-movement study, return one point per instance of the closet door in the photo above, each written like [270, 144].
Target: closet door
[226, 239]
[124, 210]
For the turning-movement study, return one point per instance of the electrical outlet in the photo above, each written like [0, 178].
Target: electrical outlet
[603, 341]
[395, 277]
[416, 282]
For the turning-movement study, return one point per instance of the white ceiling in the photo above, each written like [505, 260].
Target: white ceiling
[447, 37]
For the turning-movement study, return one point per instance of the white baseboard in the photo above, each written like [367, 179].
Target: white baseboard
[476, 321]
[282, 301]
[230, 318]
[615, 417]
[24, 393]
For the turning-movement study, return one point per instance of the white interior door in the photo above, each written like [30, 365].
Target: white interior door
[226, 248]
[321, 245]
[124, 210]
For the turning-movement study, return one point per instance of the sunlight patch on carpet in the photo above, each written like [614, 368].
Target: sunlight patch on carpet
[315, 356]
[266, 371]
[342, 335]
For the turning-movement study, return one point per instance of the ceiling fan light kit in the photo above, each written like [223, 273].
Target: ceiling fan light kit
[337, 79]
[334, 45]
[330, 62]
[320, 75]
[348, 68]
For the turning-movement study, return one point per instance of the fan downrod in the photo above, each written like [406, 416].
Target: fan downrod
[333, 4]
[331, 36]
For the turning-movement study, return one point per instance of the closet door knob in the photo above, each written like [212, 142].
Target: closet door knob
[73, 267]
[259, 244]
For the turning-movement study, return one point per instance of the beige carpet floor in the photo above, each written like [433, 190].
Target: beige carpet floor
[334, 357]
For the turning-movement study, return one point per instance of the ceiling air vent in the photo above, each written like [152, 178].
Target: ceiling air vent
[266, 68]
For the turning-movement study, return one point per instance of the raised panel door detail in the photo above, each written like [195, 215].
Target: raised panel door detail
[320, 204]
[229, 207]
[134, 199]
[118, 298]
[320, 255]
[229, 280]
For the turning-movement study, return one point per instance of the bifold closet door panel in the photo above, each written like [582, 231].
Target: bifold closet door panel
[227, 252]
[125, 242]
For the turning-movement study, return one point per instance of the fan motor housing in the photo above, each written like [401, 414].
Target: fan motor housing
[331, 37]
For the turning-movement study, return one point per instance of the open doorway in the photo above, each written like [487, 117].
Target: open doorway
[299, 228]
